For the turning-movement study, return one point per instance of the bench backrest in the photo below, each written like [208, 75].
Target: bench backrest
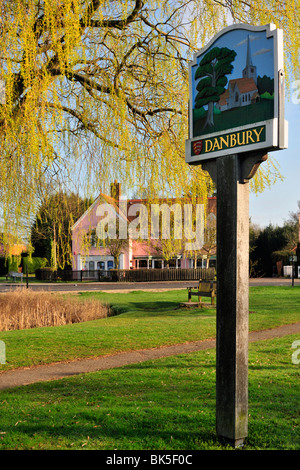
[206, 285]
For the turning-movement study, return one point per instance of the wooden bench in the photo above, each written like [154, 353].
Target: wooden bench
[205, 288]
[14, 275]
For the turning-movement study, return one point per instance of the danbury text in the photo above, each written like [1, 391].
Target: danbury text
[234, 139]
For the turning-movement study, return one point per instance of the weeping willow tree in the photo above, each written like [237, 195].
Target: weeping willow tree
[98, 89]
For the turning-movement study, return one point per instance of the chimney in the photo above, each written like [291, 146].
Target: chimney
[115, 190]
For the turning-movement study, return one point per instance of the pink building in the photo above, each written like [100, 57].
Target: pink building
[142, 251]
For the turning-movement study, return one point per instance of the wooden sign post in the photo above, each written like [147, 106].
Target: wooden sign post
[231, 130]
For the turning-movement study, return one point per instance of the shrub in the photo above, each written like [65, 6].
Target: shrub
[35, 263]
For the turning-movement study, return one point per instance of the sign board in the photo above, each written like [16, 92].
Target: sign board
[237, 94]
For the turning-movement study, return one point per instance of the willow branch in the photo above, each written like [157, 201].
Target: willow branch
[86, 124]
[109, 23]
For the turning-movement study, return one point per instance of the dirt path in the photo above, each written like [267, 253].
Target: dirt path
[56, 371]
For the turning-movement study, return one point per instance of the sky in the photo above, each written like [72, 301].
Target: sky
[274, 205]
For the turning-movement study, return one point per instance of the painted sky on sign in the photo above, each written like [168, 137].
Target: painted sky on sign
[261, 51]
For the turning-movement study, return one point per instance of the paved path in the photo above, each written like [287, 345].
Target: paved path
[21, 377]
[128, 286]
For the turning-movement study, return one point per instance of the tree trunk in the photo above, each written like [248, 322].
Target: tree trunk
[116, 261]
[54, 249]
[210, 115]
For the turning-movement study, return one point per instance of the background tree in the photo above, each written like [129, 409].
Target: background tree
[254, 261]
[51, 235]
[169, 230]
[271, 247]
[291, 233]
[167, 249]
[115, 247]
[212, 71]
[270, 239]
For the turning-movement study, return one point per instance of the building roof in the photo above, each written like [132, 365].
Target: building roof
[211, 206]
[244, 85]
[223, 98]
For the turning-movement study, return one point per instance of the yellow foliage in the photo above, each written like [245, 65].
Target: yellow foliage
[98, 90]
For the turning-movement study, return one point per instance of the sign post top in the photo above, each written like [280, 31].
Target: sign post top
[236, 94]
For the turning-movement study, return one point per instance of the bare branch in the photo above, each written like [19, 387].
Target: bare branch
[109, 23]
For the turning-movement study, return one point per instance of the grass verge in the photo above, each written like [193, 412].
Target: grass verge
[166, 404]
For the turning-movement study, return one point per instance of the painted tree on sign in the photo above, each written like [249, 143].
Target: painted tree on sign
[212, 71]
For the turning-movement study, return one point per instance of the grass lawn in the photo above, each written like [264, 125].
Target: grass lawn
[166, 404]
[144, 320]
[235, 117]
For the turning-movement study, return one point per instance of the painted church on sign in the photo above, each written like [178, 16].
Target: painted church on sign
[241, 91]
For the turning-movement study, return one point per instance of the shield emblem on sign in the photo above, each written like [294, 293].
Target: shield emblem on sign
[197, 147]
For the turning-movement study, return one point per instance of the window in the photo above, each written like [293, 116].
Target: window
[143, 263]
[92, 238]
[100, 265]
[110, 264]
[91, 265]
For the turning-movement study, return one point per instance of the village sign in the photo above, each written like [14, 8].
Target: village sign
[236, 116]
[235, 102]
